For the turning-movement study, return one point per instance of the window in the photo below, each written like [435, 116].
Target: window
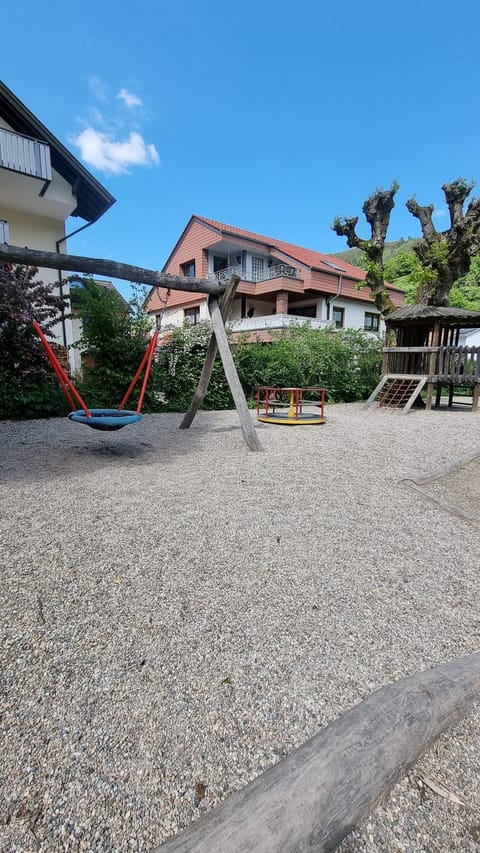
[4, 233]
[371, 322]
[304, 311]
[257, 269]
[219, 263]
[188, 269]
[158, 322]
[192, 315]
[338, 316]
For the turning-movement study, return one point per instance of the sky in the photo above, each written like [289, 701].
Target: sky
[271, 116]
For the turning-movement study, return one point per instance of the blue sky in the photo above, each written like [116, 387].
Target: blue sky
[274, 117]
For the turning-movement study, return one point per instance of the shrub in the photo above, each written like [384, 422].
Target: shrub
[180, 363]
[346, 363]
[114, 337]
[28, 388]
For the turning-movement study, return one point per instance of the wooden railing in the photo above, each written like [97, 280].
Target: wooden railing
[460, 365]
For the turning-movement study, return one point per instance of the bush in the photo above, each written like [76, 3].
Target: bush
[114, 337]
[180, 363]
[28, 388]
[346, 363]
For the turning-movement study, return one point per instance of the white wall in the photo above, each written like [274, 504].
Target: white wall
[176, 316]
[354, 317]
[471, 340]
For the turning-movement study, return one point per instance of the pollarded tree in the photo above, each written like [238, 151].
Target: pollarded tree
[446, 256]
[377, 209]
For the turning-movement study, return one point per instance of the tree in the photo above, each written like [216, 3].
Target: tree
[446, 256]
[377, 209]
[27, 384]
[114, 338]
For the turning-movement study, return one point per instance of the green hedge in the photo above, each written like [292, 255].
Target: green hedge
[346, 363]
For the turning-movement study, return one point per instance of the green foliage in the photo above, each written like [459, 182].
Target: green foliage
[405, 271]
[391, 250]
[28, 387]
[114, 337]
[180, 363]
[346, 363]
[466, 291]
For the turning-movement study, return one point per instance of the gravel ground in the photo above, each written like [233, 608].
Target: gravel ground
[179, 613]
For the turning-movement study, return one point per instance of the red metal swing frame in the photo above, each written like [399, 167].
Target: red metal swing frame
[69, 389]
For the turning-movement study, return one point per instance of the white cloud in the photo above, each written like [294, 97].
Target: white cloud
[109, 155]
[439, 212]
[99, 88]
[129, 99]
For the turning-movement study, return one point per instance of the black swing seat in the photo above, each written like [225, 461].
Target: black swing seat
[105, 419]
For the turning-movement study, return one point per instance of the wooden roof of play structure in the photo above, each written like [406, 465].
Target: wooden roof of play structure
[429, 315]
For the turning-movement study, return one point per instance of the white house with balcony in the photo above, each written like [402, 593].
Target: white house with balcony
[41, 185]
[280, 283]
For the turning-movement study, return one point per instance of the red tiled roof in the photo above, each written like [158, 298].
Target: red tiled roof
[309, 257]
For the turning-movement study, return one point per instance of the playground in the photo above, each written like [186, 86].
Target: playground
[179, 613]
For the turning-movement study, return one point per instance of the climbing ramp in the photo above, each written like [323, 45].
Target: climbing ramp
[397, 391]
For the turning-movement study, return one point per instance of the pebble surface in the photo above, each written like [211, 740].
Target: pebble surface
[177, 614]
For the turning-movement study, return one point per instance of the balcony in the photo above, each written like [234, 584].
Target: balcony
[276, 322]
[25, 155]
[277, 271]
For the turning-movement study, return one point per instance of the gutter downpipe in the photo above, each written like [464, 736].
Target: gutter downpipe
[338, 293]
[60, 279]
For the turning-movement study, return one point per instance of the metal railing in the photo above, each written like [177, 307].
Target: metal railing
[277, 271]
[26, 155]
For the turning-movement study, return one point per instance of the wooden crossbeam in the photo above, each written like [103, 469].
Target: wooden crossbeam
[112, 269]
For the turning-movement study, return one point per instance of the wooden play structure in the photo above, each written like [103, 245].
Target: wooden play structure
[220, 296]
[426, 354]
[290, 406]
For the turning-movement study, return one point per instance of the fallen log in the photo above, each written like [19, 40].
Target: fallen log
[316, 795]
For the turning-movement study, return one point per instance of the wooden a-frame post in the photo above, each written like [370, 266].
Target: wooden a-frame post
[127, 272]
[219, 343]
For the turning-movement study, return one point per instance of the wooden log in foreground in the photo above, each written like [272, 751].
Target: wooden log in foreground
[112, 269]
[316, 795]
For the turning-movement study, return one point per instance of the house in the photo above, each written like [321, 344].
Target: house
[281, 283]
[41, 185]
[469, 338]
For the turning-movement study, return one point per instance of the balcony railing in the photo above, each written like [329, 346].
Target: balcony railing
[23, 154]
[277, 271]
[276, 321]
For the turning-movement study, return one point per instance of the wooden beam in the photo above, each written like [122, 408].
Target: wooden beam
[231, 374]
[211, 354]
[112, 269]
[314, 797]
